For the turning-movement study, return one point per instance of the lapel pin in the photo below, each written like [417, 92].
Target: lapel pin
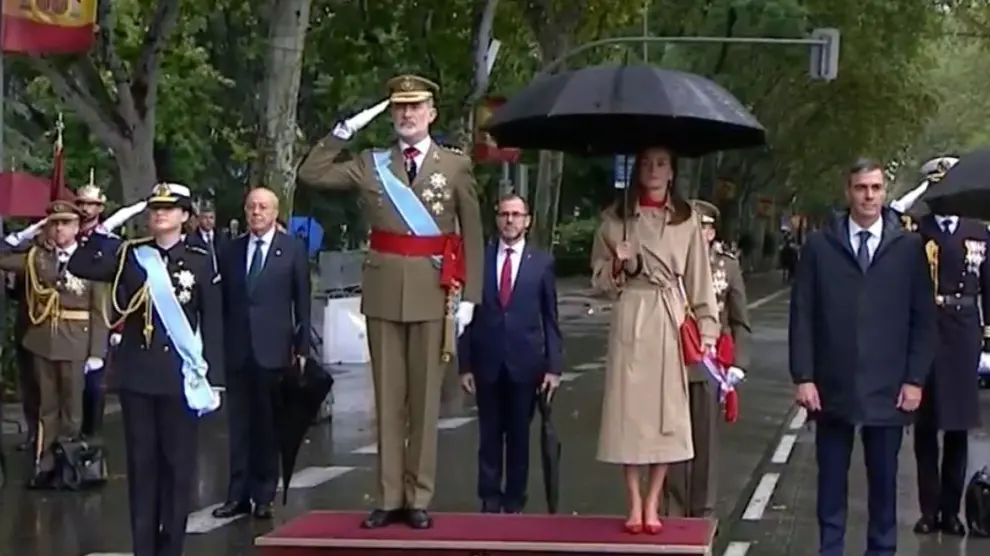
[278, 252]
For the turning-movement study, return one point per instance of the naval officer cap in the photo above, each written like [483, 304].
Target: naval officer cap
[935, 169]
[169, 195]
[61, 211]
[706, 211]
[410, 89]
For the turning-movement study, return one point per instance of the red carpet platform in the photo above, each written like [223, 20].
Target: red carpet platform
[340, 534]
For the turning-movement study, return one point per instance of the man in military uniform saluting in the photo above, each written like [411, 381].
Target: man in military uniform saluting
[66, 331]
[692, 484]
[166, 294]
[421, 280]
[957, 257]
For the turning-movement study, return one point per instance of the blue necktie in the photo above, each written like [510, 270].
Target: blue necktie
[863, 251]
[257, 260]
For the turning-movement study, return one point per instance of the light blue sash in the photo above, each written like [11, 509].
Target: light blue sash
[200, 397]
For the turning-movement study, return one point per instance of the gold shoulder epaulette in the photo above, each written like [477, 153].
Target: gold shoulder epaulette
[453, 149]
[197, 249]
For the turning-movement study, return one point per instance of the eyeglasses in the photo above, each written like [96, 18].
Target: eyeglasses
[512, 215]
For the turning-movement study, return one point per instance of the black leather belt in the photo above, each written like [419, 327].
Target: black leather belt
[955, 300]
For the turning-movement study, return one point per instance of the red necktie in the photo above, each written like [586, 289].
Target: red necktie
[410, 154]
[505, 280]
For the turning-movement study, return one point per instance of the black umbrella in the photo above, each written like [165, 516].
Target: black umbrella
[964, 190]
[549, 452]
[624, 109]
[301, 393]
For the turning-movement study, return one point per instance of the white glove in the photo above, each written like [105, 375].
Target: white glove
[27, 234]
[465, 312]
[122, 215]
[93, 364]
[115, 339]
[984, 365]
[346, 129]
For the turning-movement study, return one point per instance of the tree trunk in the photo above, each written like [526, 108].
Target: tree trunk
[275, 166]
[546, 198]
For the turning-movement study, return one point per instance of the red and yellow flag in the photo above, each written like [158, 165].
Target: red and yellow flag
[48, 26]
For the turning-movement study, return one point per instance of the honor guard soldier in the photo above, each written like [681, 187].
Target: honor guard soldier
[422, 277]
[66, 331]
[166, 294]
[957, 258]
[692, 484]
[932, 171]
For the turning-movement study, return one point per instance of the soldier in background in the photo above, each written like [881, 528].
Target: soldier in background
[691, 485]
[422, 277]
[957, 257]
[67, 333]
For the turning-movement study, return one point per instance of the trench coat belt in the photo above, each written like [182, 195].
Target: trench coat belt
[955, 300]
[448, 248]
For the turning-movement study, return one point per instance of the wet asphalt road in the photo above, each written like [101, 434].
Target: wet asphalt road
[335, 470]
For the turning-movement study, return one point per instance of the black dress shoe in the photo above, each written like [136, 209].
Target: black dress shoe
[925, 526]
[952, 526]
[491, 507]
[262, 511]
[232, 509]
[381, 518]
[419, 519]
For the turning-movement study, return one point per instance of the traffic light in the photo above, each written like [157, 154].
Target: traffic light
[825, 57]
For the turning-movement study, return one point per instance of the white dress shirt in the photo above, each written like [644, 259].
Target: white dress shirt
[952, 220]
[876, 231]
[517, 249]
[423, 147]
[207, 236]
[65, 253]
[266, 240]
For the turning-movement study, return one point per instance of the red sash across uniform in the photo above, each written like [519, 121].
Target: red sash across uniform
[449, 247]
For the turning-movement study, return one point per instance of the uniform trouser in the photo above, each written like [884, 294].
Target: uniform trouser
[30, 395]
[160, 434]
[690, 487]
[940, 484]
[60, 386]
[407, 374]
[94, 402]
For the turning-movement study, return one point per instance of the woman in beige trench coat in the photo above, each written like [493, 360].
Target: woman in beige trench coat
[656, 274]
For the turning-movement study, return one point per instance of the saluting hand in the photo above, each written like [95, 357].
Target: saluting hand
[909, 398]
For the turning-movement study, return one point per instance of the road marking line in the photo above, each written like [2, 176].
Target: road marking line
[453, 422]
[761, 497]
[767, 299]
[799, 419]
[315, 476]
[567, 377]
[784, 448]
[369, 449]
[593, 366]
[202, 521]
[736, 548]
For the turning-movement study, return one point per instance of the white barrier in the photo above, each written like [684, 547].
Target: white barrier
[345, 339]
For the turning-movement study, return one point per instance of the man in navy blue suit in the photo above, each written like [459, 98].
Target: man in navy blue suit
[509, 354]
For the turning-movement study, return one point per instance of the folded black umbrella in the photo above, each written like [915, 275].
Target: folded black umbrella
[964, 190]
[549, 453]
[300, 395]
[623, 110]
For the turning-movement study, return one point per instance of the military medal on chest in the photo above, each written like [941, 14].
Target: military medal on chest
[184, 282]
[436, 193]
[720, 283]
[976, 253]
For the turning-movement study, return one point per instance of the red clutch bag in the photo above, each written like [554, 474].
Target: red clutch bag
[691, 341]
